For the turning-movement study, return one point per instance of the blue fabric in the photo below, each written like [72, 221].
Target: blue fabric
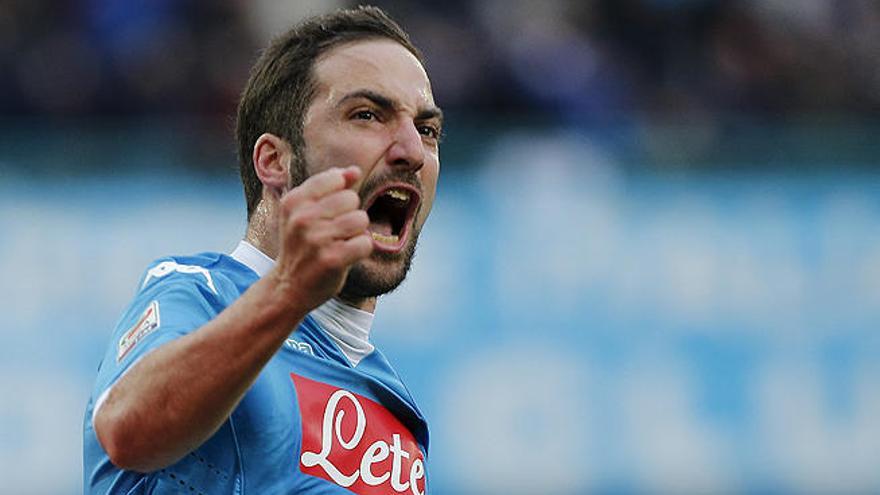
[259, 448]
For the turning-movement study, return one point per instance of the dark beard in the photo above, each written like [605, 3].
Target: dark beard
[362, 283]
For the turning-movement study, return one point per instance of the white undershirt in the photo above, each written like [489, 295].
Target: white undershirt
[348, 326]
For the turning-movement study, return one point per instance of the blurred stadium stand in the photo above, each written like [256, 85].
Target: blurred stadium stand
[656, 243]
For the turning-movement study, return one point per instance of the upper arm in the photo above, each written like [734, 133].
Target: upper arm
[166, 307]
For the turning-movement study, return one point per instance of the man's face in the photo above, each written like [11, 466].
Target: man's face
[374, 108]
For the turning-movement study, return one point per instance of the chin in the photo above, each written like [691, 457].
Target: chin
[379, 274]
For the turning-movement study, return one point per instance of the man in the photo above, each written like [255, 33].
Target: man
[253, 372]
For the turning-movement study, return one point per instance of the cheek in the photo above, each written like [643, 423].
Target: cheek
[322, 154]
[429, 186]
[343, 151]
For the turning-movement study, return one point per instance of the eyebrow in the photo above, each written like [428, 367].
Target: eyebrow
[388, 104]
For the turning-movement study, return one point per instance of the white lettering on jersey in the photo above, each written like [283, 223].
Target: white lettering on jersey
[310, 459]
[378, 451]
[168, 267]
[300, 346]
[146, 324]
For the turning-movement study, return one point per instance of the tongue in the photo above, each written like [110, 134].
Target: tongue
[380, 224]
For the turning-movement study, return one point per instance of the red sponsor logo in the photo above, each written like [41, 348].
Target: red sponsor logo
[355, 442]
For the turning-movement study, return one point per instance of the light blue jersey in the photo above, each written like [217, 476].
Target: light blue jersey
[312, 423]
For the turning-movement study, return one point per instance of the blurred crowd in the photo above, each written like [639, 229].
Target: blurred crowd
[578, 61]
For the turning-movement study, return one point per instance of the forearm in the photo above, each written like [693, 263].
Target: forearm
[177, 396]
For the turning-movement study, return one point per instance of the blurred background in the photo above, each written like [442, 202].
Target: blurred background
[653, 265]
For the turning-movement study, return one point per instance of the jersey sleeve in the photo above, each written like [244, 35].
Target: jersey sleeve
[170, 303]
[174, 298]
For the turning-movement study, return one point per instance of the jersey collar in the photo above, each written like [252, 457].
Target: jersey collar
[251, 257]
[348, 326]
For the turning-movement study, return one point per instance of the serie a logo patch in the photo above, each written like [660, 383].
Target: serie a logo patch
[146, 324]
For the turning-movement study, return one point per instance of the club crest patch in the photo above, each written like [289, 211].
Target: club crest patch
[146, 324]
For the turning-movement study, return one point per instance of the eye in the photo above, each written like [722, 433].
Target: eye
[365, 115]
[429, 131]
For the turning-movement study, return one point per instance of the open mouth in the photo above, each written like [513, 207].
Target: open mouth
[391, 210]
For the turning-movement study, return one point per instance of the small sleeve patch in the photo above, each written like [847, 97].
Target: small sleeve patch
[146, 324]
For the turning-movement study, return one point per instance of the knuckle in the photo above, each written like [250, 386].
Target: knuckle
[354, 222]
[363, 244]
[293, 196]
[351, 198]
[329, 259]
[299, 222]
[308, 185]
[307, 213]
[361, 218]
[332, 175]
[310, 238]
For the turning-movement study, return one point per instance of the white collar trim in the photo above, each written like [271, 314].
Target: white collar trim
[248, 255]
[348, 326]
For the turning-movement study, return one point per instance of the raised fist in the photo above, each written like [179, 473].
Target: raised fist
[322, 233]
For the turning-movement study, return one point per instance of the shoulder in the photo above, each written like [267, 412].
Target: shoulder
[175, 295]
[209, 273]
[181, 269]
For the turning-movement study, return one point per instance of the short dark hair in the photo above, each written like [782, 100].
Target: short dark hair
[282, 84]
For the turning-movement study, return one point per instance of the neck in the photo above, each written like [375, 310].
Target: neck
[367, 304]
[262, 230]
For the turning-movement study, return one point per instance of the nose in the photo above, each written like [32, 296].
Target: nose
[407, 149]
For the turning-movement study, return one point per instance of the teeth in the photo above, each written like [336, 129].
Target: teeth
[398, 194]
[385, 239]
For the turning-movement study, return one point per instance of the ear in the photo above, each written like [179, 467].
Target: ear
[272, 157]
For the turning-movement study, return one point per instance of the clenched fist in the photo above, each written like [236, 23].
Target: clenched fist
[322, 233]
